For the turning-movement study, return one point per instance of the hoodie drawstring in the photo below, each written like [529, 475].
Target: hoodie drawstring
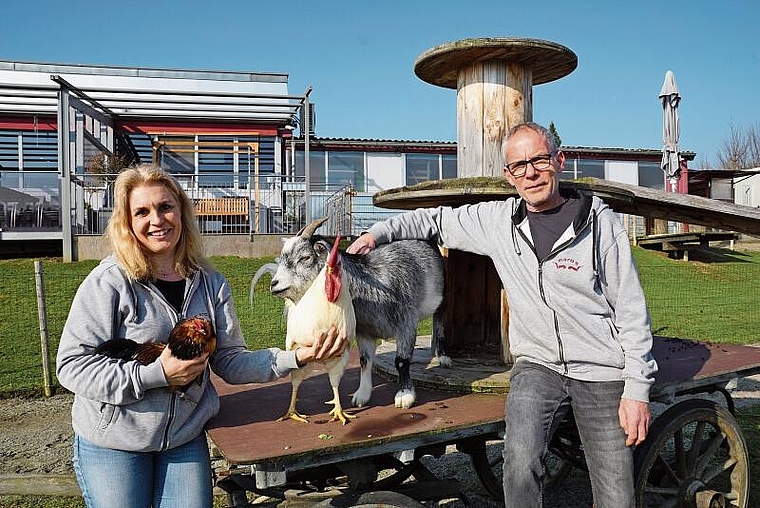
[594, 261]
[513, 230]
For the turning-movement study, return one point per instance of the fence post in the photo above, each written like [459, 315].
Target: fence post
[42, 315]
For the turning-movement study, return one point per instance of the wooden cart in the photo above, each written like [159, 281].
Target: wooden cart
[695, 454]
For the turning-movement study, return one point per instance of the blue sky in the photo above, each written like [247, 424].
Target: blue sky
[359, 58]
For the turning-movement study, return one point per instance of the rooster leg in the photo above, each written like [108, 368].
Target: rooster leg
[337, 411]
[335, 369]
[296, 378]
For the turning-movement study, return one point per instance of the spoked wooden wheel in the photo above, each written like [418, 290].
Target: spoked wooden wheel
[487, 460]
[694, 457]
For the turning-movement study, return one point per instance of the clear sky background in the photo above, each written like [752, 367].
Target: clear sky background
[359, 57]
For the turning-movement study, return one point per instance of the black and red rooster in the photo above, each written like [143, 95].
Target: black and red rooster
[190, 338]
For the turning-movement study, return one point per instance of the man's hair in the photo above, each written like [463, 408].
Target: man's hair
[531, 126]
[135, 261]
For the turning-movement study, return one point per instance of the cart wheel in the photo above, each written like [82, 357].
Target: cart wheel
[695, 456]
[487, 461]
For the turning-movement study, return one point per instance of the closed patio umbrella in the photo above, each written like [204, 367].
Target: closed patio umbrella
[671, 129]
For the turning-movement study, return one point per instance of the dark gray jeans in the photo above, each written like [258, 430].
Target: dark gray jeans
[538, 400]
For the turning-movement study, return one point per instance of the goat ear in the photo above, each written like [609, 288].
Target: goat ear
[322, 248]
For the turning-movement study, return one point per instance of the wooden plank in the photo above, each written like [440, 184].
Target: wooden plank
[470, 121]
[621, 197]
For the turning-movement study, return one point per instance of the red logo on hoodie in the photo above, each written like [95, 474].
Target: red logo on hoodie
[567, 264]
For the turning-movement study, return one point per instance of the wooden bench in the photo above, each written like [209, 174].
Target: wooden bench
[678, 245]
[222, 206]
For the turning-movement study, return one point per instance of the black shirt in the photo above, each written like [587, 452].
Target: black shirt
[546, 227]
[173, 291]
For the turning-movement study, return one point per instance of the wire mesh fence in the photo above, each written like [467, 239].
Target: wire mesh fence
[715, 301]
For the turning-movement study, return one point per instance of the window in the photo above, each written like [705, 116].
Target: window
[651, 175]
[345, 168]
[590, 167]
[422, 167]
[177, 153]
[448, 166]
[316, 169]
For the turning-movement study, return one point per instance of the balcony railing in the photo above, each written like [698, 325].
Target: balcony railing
[235, 204]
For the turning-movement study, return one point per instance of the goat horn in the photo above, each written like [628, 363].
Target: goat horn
[309, 229]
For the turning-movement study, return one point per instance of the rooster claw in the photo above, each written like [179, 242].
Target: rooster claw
[293, 415]
[338, 413]
[342, 416]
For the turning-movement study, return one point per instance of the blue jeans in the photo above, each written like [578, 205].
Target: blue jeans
[538, 400]
[176, 478]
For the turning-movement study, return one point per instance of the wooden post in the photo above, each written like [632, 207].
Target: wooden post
[494, 79]
[42, 316]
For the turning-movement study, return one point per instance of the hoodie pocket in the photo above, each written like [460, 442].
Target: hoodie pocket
[613, 348]
[107, 412]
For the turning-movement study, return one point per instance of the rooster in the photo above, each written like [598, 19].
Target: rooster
[326, 303]
[190, 338]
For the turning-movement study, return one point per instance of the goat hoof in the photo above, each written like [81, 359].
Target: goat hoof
[444, 361]
[405, 398]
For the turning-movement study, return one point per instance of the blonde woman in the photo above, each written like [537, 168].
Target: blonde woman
[137, 443]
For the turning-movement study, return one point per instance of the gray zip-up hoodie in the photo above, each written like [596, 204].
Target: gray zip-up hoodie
[125, 405]
[580, 311]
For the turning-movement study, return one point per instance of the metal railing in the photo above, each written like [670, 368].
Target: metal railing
[226, 203]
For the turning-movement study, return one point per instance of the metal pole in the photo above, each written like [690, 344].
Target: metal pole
[305, 130]
[64, 174]
[42, 315]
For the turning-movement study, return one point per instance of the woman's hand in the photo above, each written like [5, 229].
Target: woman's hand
[181, 372]
[330, 343]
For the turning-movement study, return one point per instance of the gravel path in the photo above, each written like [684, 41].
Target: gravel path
[36, 439]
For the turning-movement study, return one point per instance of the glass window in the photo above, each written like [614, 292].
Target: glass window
[722, 188]
[316, 169]
[651, 175]
[590, 167]
[422, 167]
[177, 153]
[448, 166]
[345, 168]
[40, 151]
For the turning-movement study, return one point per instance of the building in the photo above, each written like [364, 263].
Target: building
[237, 141]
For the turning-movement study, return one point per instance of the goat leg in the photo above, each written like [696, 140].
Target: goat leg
[367, 348]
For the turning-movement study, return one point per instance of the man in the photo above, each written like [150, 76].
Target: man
[578, 324]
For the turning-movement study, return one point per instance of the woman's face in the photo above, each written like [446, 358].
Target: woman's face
[156, 218]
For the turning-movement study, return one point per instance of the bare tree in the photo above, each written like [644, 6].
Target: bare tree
[741, 150]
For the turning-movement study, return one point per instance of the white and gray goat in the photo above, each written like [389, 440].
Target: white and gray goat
[392, 288]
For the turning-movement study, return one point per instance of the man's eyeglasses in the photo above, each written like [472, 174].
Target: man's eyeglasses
[541, 162]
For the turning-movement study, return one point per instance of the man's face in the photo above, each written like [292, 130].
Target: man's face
[539, 188]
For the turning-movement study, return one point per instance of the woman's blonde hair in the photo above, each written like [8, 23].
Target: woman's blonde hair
[188, 256]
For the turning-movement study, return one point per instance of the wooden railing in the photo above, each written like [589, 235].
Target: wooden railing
[222, 206]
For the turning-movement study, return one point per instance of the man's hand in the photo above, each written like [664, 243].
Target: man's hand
[362, 245]
[635, 419]
[181, 372]
[329, 344]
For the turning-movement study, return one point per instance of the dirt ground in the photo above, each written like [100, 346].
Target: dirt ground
[36, 436]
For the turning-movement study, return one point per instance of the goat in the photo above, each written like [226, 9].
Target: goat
[392, 288]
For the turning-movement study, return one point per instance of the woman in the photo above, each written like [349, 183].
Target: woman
[138, 443]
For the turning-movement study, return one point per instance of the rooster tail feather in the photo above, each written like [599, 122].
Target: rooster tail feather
[127, 349]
